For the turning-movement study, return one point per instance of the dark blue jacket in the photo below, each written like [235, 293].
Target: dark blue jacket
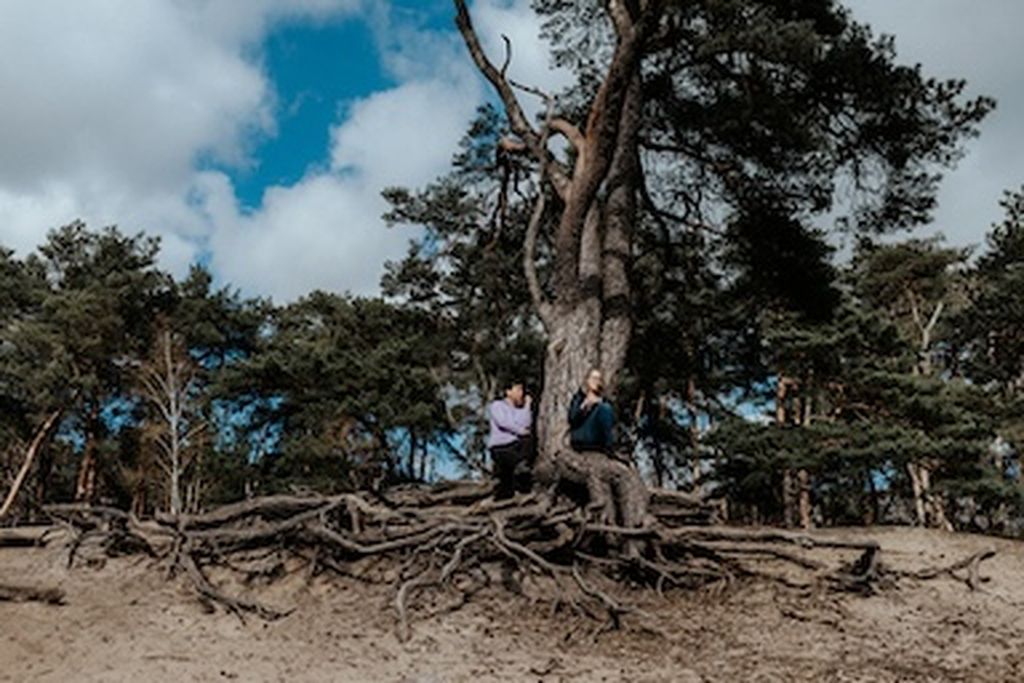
[591, 429]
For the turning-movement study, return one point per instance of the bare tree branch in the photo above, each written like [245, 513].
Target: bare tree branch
[30, 456]
[514, 111]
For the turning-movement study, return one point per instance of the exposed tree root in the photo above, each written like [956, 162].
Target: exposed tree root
[971, 567]
[24, 537]
[52, 596]
[450, 540]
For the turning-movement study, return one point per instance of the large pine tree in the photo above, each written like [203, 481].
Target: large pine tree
[697, 131]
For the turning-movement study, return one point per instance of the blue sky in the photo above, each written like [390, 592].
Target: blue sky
[253, 136]
[256, 136]
[298, 59]
[305, 61]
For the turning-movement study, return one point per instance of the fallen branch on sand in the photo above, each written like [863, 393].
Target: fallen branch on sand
[450, 539]
[24, 536]
[10, 593]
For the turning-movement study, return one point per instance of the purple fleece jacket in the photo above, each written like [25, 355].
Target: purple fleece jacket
[508, 423]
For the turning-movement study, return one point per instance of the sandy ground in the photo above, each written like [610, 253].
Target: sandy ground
[124, 622]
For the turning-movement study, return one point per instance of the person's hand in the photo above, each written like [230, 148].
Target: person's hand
[528, 401]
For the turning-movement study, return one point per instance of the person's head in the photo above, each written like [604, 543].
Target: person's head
[594, 382]
[515, 392]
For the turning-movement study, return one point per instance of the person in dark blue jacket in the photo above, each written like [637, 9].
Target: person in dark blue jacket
[591, 417]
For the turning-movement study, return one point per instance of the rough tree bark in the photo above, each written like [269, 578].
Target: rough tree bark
[587, 315]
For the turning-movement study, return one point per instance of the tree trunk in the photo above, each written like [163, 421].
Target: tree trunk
[803, 476]
[804, 482]
[789, 499]
[138, 505]
[918, 493]
[37, 443]
[694, 433]
[587, 321]
[176, 507]
[871, 513]
[935, 507]
[589, 324]
[194, 494]
[85, 486]
[572, 350]
[930, 509]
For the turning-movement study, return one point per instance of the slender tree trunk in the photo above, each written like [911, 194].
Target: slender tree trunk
[85, 486]
[804, 482]
[871, 511]
[411, 464]
[176, 507]
[803, 476]
[424, 460]
[694, 433]
[174, 420]
[935, 507]
[918, 493]
[194, 492]
[38, 442]
[138, 505]
[789, 511]
[931, 511]
[788, 498]
[43, 475]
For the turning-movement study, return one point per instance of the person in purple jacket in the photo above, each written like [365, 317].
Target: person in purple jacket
[509, 440]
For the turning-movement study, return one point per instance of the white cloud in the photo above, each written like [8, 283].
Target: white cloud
[325, 232]
[400, 135]
[109, 105]
[980, 42]
[531, 57]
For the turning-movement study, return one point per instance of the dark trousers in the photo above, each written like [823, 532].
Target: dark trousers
[511, 467]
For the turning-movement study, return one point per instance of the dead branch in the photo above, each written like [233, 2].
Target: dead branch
[972, 565]
[12, 593]
[516, 116]
[25, 536]
[30, 456]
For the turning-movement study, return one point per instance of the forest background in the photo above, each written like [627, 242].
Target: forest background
[795, 383]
